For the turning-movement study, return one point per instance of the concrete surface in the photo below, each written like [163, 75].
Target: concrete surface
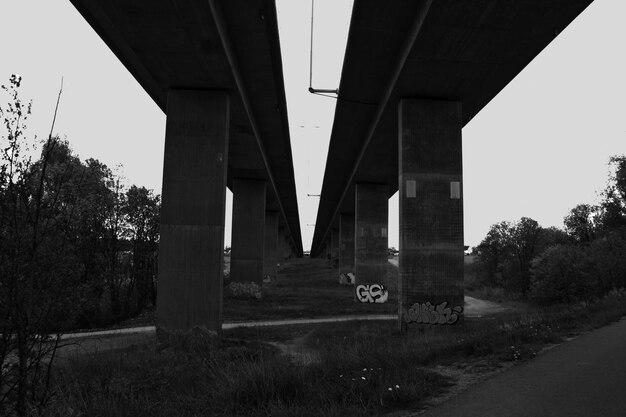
[192, 212]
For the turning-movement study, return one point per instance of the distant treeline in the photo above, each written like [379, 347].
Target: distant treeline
[584, 261]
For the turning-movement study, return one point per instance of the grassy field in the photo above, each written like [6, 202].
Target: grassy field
[308, 288]
[347, 369]
[340, 369]
[304, 288]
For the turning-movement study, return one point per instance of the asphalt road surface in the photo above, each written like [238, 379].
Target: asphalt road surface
[584, 377]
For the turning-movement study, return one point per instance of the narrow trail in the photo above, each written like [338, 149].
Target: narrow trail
[110, 339]
[473, 308]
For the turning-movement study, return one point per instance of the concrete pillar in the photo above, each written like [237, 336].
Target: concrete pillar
[270, 253]
[248, 235]
[370, 244]
[334, 248]
[287, 247]
[282, 244]
[346, 243]
[191, 248]
[431, 209]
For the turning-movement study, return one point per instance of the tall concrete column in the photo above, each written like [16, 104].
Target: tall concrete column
[346, 243]
[334, 248]
[248, 231]
[431, 209]
[370, 244]
[282, 244]
[270, 253]
[191, 249]
[287, 247]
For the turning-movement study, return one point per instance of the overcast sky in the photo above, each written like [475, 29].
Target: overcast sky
[538, 149]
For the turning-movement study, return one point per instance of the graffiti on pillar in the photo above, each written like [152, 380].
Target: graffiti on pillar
[372, 293]
[426, 313]
[346, 279]
[245, 289]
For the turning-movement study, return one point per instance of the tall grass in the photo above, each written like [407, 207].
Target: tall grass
[358, 368]
[252, 380]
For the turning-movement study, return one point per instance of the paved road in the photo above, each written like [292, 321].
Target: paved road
[584, 377]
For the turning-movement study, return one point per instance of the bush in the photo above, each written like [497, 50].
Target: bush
[561, 274]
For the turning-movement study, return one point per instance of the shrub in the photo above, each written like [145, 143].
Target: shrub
[561, 274]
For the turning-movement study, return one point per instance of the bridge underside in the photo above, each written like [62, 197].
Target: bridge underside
[214, 67]
[415, 73]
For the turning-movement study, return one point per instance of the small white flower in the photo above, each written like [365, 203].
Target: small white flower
[389, 389]
[364, 369]
[341, 376]
[398, 386]
[363, 378]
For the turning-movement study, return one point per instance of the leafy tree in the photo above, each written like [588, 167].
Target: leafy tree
[494, 250]
[143, 219]
[115, 230]
[505, 254]
[607, 256]
[613, 206]
[551, 236]
[524, 236]
[579, 223]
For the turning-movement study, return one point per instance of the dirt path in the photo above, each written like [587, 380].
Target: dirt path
[125, 337]
[473, 308]
[106, 340]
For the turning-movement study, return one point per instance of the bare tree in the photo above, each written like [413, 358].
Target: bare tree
[35, 260]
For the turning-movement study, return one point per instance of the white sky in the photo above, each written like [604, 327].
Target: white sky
[538, 149]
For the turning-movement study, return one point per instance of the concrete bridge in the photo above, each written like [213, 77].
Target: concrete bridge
[214, 67]
[415, 73]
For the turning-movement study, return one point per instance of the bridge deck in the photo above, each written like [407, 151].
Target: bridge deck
[446, 50]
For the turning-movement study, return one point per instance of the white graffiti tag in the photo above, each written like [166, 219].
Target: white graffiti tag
[427, 313]
[371, 293]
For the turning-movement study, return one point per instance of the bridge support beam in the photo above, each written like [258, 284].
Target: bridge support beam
[370, 242]
[248, 235]
[431, 209]
[346, 243]
[191, 249]
[270, 253]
